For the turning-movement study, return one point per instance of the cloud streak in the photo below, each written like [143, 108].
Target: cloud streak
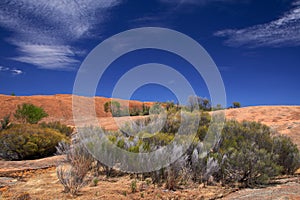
[16, 71]
[47, 56]
[50, 27]
[10, 70]
[3, 69]
[285, 31]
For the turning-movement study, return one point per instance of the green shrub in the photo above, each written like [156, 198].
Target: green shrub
[146, 109]
[156, 109]
[133, 186]
[172, 122]
[236, 104]
[29, 113]
[114, 107]
[95, 181]
[246, 154]
[288, 154]
[135, 111]
[26, 141]
[64, 129]
[250, 166]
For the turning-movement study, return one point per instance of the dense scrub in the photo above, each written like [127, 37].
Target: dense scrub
[244, 152]
[115, 108]
[62, 128]
[28, 141]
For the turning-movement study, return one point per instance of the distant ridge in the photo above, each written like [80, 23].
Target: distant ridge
[59, 106]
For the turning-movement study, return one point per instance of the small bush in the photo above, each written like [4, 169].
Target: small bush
[72, 173]
[28, 142]
[133, 186]
[156, 109]
[5, 123]
[29, 113]
[95, 181]
[236, 104]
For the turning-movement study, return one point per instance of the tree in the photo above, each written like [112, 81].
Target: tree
[145, 109]
[107, 106]
[193, 103]
[236, 104]
[205, 104]
[29, 113]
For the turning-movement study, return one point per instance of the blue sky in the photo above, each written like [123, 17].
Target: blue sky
[254, 43]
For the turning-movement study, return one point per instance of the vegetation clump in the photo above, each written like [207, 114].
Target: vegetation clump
[236, 104]
[5, 123]
[62, 128]
[115, 108]
[72, 172]
[29, 113]
[28, 141]
[244, 152]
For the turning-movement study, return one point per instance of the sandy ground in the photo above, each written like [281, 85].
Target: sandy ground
[44, 184]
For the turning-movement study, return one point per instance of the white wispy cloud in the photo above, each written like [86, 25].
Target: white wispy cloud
[16, 71]
[285, 31]
[10, 70]
[47, 28]
[47, 56]
[3, 69]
